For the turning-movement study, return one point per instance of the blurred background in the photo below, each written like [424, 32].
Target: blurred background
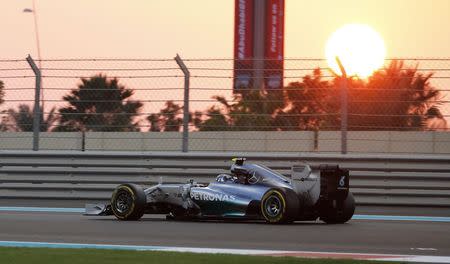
[109, 80]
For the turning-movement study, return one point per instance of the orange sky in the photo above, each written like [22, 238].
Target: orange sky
[204, 28]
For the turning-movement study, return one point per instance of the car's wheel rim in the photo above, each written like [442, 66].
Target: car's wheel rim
[123, 202]
[273, 206]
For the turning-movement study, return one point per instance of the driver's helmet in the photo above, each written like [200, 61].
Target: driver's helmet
[240, 174]
[239, 170]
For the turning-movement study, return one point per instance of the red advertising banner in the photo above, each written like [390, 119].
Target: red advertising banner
[274, 44]
[243, 44]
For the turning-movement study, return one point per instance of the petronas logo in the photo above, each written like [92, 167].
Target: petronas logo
[203, 196]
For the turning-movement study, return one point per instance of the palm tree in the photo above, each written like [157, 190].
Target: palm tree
[394, 98]
[252, 112]
[4, 122]
[22, 119]
[214, 120]
[153, 119]
[309, 104]
[100, 104]
[2, 92]
[168, 119]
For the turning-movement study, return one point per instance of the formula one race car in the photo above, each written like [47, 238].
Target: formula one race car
[251, 192]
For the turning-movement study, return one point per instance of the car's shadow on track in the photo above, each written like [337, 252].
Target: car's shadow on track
[228, 221]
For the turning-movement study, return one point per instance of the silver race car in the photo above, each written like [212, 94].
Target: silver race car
[249, 192]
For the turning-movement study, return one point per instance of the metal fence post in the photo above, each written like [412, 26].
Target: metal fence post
[186, 114]
[344, 107]
[37, 107]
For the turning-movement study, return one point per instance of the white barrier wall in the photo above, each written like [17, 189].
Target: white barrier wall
[16, 140]
[251, 141]
[387, 142]
[162, 141]
[259, 141]
[202, 141]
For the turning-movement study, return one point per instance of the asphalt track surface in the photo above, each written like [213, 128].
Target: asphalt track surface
[365, 236]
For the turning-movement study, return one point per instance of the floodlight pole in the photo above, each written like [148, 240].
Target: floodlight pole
[38, 43]
[344, 106]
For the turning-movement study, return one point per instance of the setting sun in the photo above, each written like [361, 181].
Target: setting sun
[359, 47]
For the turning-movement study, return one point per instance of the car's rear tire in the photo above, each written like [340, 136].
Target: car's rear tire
[335, 216]
[128, 202]
[279, 206]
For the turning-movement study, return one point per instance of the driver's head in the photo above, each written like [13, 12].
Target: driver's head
[241, 178]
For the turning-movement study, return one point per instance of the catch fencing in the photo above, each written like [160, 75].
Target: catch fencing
[189, 105]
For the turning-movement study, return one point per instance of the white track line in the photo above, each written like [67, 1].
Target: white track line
[304, 254]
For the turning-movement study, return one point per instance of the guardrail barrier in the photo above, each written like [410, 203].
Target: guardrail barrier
[378, 180]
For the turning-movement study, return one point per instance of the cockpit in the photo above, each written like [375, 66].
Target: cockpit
[239, 178]
[240, 174]
[249, 174]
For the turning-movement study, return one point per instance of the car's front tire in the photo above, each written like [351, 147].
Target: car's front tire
[128, 202]
[279, 206]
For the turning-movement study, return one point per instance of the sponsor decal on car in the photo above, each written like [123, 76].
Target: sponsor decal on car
[204, 196]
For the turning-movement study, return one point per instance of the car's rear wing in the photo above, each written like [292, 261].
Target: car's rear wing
[325, 182]
[334, 182]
